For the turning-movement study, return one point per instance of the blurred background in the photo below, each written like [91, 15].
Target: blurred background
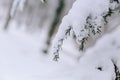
[27, 29]
[29, 26]
[33, 16]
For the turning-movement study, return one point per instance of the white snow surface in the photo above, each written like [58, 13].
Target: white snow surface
[20, 59]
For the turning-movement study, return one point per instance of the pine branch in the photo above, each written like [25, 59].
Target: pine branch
[117, 73]
[59, 44]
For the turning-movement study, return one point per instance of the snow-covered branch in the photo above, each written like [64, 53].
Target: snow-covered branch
[86, 18]
[17, 4]
[105, 55]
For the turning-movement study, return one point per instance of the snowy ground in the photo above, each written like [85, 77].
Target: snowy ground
[20, 59]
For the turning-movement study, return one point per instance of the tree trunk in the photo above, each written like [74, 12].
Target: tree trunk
[54, 24]
[9, 17]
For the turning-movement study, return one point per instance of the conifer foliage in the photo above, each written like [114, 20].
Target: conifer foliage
[85, 19]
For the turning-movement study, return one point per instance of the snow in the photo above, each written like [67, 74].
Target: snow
[22, 4]
[85, 19]
[20, 59]
[14, 7]
[104, 54]
[17, 4]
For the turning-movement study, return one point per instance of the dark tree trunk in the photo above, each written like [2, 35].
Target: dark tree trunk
[54, 24]
[8, 18]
